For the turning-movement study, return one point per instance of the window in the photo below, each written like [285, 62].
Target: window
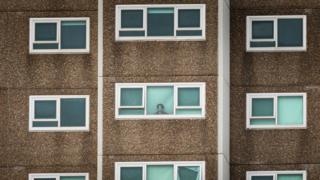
[160, 170]
[59, 176]
[59, 113]
[276, 110]
[277, 33]
[276, 175]
[160, 100]
[59, 35]
[160, 22]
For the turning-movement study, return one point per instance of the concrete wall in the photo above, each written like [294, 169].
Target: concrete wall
[274, 72]
[22, 75]
[155, 61]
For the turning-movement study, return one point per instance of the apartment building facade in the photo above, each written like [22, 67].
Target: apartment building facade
[114, 90]
[274, 90]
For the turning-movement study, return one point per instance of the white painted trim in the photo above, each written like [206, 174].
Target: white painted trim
[275, 96]
[56, 98]
[100, 87]
[275, 20]
[57, 176]
[175, 164]
[223, 91]
[144, 7]
[33, 21]
[202, 106]
[249, 174]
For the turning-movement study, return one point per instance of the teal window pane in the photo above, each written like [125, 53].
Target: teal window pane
[290, 110]
[290, 177]
[262, 107]
[45, 124]
[262, 178]
[262, 30]
[188, 18]
[263, 44]
[189, 33]
[160, 22]
[73, 35]
[262, 121]
[188, 111]
[131, 33]
[46, 46]
[290, 32]
[131, 18]
[131, 173]
[160, 172]
[160, 100]
[46, 31]
[72, 178]
[73, 112]
[131, 97]
[189, 173]
[45, 109]
[133, 111]
[188, 96]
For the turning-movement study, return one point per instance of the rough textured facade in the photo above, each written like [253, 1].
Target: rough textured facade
[160, 61]
[267, 150]
[23, 74]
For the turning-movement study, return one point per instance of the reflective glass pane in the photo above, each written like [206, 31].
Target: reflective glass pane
[262, 121]
[45, 109]
[131, 18]
[131, 97]
[290, 32]
[262, 107]
[131, 33]
[263, 44]
[262, 178]
[131, 173]
[160, 100]
[73, 112]
[290, 177]
[45, 124]
[46, 46]
[188, 96]
[290, 110]
[72, 178]
[189, 173]
[188, 111]
[189, 18]
[133, 111]
[160, 21]
[189, 33]
[262, 30]
[160, 172]
[46, 31]
[73, 35]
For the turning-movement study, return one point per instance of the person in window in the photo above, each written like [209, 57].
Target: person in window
[160, 109]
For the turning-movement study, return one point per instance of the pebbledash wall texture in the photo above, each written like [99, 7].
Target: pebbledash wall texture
[160, 62]
[253, 72]
[22, 74]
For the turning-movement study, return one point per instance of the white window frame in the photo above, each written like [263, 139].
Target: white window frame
[33, 176]
[144, 7]
[250, 19]
[176, 164]
[200, 85]
[275, 174]
[275, 96]
[34, 21]
[56, 98]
